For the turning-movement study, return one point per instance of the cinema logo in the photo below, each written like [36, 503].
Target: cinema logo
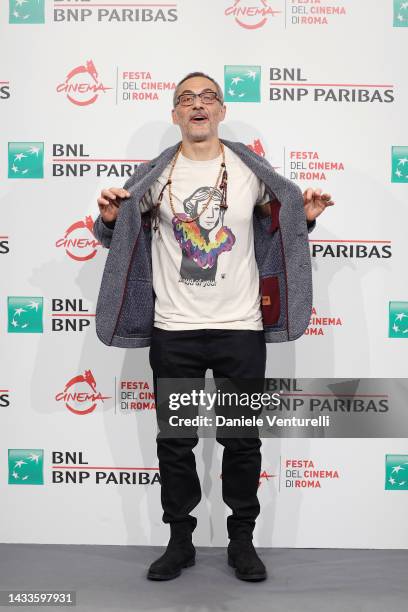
[82, 85]
[4, 90]
[78, 241]
[264, 476]
[74, 160]
[70, 467]
[251, 14]
[257, 147]
[308, 166]
[141, 86]
[306, 474]
[290, 85]
[136, 396]
[80, 394]
[315, 12]
[318, 324]
[351, 249]
[92, 11]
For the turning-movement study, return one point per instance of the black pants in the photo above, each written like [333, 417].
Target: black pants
[188, 354]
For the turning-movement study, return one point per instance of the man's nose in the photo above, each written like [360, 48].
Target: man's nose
[197, 103]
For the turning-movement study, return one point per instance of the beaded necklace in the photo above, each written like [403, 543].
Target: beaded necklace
[184, 219]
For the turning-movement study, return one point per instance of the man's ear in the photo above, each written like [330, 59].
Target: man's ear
[174, 116]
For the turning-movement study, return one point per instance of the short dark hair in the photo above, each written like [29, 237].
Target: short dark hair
[190, 75]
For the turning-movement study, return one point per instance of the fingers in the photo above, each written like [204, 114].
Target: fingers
[111, 199]
[121, 193]
[326, 197]
[316, 196]
[308, 195]
[113, 193]
[105, 202]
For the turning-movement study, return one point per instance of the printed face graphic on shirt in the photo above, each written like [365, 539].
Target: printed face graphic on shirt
[203, 240]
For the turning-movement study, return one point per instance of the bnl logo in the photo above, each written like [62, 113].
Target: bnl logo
[26, 11]
[25, 160]
[398, 320]
[400, 14]
[242, 83]
[396, 472]
[25, 466]
[25, 315]
[399, 164]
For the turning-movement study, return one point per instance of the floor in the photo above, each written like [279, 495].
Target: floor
[112, 578]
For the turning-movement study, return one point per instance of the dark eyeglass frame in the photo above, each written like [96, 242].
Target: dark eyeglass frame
[200, 95]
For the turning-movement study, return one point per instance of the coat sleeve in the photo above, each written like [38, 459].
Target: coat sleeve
[311, 225]
[103, 231]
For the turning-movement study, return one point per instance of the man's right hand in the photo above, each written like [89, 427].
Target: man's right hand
[109, 202]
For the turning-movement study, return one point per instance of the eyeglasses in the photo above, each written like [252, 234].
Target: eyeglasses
[188, 99]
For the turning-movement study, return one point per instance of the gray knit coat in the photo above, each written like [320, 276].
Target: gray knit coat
[125, 307]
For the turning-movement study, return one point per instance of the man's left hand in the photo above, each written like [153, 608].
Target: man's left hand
[315, 203]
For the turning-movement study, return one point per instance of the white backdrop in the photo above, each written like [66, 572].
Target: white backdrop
[64, 110]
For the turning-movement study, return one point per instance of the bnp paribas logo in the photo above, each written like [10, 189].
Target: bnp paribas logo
[25, 315]
[25, 466]
[26, 11]
[400, 14]
[242, 83]
[398, 320]
[26, 160]
[396, 472]
[399, 163]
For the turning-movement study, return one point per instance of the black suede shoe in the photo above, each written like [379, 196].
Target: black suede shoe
[180, 553]
[243, 557]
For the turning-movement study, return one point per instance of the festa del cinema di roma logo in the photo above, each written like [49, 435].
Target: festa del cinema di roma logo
[80, 395]
[78, 246]
[251, 14]
[82, 85]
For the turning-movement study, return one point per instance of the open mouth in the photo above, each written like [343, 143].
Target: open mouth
[199, 119]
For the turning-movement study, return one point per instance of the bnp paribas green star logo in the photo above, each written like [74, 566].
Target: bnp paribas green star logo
[25, 160]
[396, 472]
[242, 83]
[26, 11]
[25, 466]
[399, 162]
[400, 14]
[398, 320]
[25, 315]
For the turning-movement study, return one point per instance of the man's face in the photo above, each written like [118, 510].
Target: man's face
[198, 122]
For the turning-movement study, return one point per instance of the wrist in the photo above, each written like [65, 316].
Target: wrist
[110, 224]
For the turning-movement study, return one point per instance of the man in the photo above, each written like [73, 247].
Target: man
[208, 260]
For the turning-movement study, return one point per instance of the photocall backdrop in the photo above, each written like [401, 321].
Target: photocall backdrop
[317, 87]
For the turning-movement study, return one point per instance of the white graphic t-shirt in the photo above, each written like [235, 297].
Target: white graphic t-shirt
[204, 272]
